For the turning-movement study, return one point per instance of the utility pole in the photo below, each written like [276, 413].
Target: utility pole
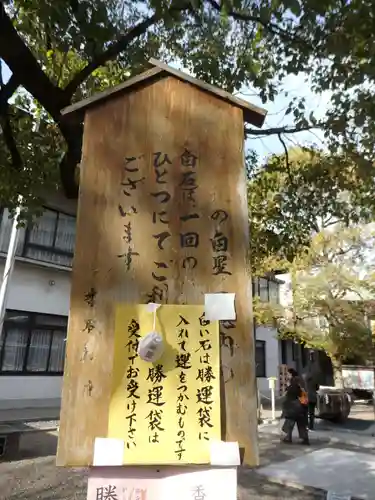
[9, 264]
[293, 279]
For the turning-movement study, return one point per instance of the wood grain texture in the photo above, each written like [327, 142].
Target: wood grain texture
[166, 117]
[251, 113]
[101, 96]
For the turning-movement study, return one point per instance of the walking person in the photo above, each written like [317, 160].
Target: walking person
[312, 388]
[294, 409]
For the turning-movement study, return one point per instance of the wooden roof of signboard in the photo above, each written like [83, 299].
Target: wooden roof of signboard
[252, 114]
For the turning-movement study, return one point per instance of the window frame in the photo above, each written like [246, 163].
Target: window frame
[264, 364]
[255, 287]
[53, 249]
[266, 288]
[304, 356]
[31, 325]
[284, 351]
[295, 353]
[272, 284]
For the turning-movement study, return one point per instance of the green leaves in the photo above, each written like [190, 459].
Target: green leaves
[234, 44]
[304, 211]
[294, 6]
[196, 4]
[334, 285]
[331, 291]
[40, 148]
[292, 198]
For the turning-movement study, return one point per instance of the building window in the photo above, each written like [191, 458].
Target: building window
[284, 355]
[33, 343]
[255, 284]
[263, 289]
[51, 238]
[260, 358]
[273, 292]
[304, 356]
[295, 348]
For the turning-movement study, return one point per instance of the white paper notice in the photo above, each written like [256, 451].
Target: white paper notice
[203, 484]
[219, 306]
[224, 454]
[108, 451]
[184, 483]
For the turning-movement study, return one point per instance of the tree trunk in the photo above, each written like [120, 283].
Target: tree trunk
[337, 372]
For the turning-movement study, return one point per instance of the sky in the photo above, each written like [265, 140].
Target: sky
[5, 71]
[295, 86]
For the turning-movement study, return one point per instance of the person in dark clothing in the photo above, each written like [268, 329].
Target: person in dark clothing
[312, 387]
[293, 411]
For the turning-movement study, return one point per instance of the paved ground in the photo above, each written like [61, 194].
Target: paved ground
[344, 459]
[357, 432]
[345, 472]
[361, 419]
[35, 477]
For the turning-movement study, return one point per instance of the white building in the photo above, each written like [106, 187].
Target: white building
[292, 353]
[268, 353]
[32, 347]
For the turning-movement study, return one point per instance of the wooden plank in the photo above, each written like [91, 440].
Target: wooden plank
[167, 117]
[252, 114]
[101, 96]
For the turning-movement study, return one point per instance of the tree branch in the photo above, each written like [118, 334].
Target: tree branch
[26, 69]
[7, 91]
[286, 157]
[109, 54]
[10, 142]
[272, 28]
[287, 164]
[5, 126]
[281, 130]
[115, 48]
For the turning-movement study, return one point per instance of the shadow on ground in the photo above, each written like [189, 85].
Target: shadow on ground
[347, 472]
[252, 485]
[271, 450]
[35, 476]
[352, 424]
[47, 482]
[35, 444]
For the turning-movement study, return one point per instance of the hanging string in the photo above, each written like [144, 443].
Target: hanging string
[154, 324]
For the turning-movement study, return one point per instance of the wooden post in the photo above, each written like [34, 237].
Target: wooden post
[162, 217]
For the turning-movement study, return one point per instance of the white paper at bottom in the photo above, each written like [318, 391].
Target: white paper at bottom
[209, 484]
[182, 483]
[331, 495]
[224, 454]
[108, 451]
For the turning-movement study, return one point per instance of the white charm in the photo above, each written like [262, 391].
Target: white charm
[151, 347]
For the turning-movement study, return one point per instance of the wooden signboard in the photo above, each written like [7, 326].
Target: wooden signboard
[162, 217]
